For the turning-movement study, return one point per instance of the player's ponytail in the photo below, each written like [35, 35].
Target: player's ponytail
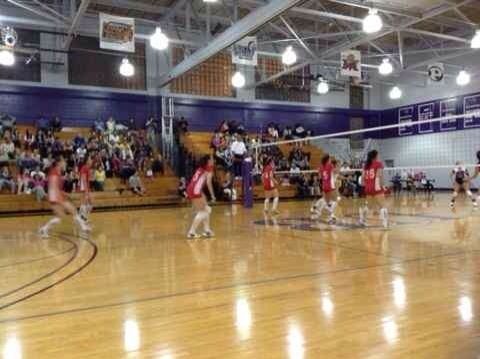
[203, 162]
[372, 155]
[325, 159]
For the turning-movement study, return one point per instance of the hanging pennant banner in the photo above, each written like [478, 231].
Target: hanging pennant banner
[244, 52]
[436, 74]
[117, 33]
[351, 63]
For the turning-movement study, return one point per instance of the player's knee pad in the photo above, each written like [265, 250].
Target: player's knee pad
[208, 209]
[469, 193]
[455, 194]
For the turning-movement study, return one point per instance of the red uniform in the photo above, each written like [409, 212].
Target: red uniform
[55, 186]
[84, 183]
[371, 179]
[195, 187]
[328, 177]
[268, 178]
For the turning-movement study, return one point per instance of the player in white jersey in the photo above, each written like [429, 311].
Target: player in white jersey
[461, 181]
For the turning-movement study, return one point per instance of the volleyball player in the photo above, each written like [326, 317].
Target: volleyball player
[328, 173]
[58, 202]
[84, 185]
[477, 171]
[203, 176]
[270, 186]
[372, 180]
[461, 181]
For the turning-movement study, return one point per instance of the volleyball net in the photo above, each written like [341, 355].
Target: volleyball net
[420, 150]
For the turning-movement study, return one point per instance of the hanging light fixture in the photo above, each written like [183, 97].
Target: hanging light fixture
[475, 43]
[385, 68]
[7, 58]
[372, 22]
[463, 78]
[238, 80]
[323, 87]
[126, 68]
[158, 40]
[395, 93]
[289, 57]
[209, 1]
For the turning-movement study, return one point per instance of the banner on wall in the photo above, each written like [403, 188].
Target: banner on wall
[426, 111]
[448, 108]
[117, 33]
[406, 114]
[244, 52]
[436, 74]
[351, 63]
[471, 104]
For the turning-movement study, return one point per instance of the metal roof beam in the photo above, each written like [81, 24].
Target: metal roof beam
[76, 21]
[236, 32]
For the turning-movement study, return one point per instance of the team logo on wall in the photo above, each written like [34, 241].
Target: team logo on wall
[436, 74]
[351, 63]
[117, 33]
[244, 52]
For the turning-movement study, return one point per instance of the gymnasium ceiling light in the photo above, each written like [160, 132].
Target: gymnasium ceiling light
[209, 1]
[385, 68]
[7, 58]
[238, 80]
[463, 78]
[475, 43]
[323, 87]
[395, 93]
[289, 57]
[126, 68]
[372, 22]
[158, 40]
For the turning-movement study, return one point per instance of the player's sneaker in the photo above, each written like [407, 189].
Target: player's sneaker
[475, 204]
[332, 220]
[43, 232]
[275, 212]
[313, 209]
[452, 205]
[193, 236]
[208, 234]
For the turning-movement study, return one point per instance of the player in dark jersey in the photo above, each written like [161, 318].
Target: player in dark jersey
[461, 181]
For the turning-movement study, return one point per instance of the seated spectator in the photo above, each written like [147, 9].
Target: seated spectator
[183, 125]
[42, 124]
[38, 172]
[38, 186]
[299, 131]
[157, 165]
[55, 124]
[79, 141]
[7, 150]
[110, 125]
[182, 187]
[70, 181]
[131, 123]
[99, 125]
[287, 133]
[224, 127]
[135, 184]
[6, 180]
[24, 181]
[7, 123]
[99, 178]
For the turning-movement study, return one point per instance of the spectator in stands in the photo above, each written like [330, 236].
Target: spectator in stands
[182, 187]
[55, 124]
[7, 150]
[29, 140]
[131, 124]
[99, 125]
[7, 123]
[99, 178]
[135, 184]
[79, 140]
[110, 125]
[224, 127]
[6, 180]
[183, 125]
[299, 131]
[157, 165]
[38, 184]
[38, 172]
[287, 133]
[24, 181]
[42, 124]
[239, 150]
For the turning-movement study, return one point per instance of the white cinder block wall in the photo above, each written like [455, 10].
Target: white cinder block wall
[443, 148]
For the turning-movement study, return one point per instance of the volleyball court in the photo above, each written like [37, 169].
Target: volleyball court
[432, 158]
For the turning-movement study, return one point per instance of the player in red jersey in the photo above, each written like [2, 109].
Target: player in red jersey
[84, 186]
[372, 180]
[203, 176]
[270, 186]
[60, 205]
[328, 173]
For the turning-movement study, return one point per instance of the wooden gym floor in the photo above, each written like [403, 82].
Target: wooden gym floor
[264, 288]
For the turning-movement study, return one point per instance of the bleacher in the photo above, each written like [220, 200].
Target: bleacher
[199, 144]
[159, 191]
